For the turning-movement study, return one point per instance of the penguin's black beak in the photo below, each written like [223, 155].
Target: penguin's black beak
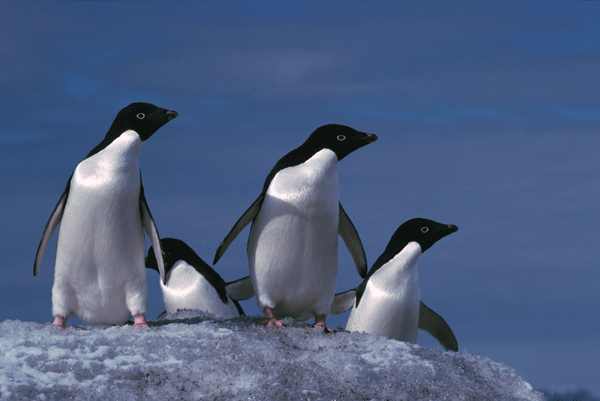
[371, 138]
[172, 114]
[450, 228]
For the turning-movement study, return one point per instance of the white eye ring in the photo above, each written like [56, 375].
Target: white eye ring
[341, 137]
[141, 116]
[424, 229]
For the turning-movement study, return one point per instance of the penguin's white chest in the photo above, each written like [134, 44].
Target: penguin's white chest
[99, 271]
[390, 304]
[293, 243]
[188, 289]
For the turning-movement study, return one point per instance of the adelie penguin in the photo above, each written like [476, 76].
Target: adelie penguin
[292, 247]
[190, 282]
[388, 301]
[99, 272]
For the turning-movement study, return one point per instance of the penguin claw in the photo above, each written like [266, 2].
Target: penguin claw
[272, 322]
[326, 330]
[60, 321]
[320, 324]
[139, 320]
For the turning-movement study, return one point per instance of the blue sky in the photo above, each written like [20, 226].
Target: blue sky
[487, 115]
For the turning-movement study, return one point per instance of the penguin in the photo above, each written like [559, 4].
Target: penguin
[388, 301]
[292, 246]
[99, 272]
[190, 282]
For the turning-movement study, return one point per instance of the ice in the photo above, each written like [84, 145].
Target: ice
[192, 355]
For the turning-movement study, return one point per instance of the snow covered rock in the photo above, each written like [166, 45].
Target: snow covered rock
[192, 356]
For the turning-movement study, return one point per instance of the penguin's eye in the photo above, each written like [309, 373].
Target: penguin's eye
[166, 254]
[141, 116]
[424, 229]
[341, 137]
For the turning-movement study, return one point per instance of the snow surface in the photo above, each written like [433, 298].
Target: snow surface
[192, 355]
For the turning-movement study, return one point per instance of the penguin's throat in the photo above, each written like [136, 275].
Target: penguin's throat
[119, 158]
[315, 178]
[401, 271]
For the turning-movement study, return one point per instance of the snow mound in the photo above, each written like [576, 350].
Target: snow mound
[191, 355]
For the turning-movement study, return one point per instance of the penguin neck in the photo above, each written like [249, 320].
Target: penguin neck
[322, 165]
[319, 172]
[121, 155]
[401, 272]
[181, 275]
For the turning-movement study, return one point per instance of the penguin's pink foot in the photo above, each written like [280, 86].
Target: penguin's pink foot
[60, 321]
[320, 324]
[272, 323]
[270, 320]
[139, 320]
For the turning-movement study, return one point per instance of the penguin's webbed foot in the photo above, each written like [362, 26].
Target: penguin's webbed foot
[320, 324]
[139, 320]
[272, 323]
[60, 321]
[270, 320]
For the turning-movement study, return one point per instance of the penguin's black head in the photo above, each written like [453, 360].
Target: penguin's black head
[423, 231]
[173, 251]
[143, 118]
[340, 139]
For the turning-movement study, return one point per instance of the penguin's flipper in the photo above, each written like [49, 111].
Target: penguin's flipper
[240, 290]
[242, 222]
[350, 236]
[343, 301]
[435, 325]
[51, 225]
[152, 233]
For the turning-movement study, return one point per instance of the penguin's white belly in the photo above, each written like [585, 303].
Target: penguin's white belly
[188, 289]
[387, 315]
[99, 273]
[390, 304]
[293, 243]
